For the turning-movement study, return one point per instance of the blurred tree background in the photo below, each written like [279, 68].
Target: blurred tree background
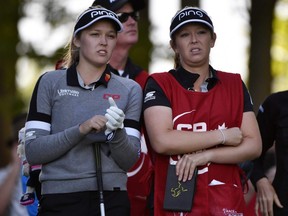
[10, 101]
[268, 53]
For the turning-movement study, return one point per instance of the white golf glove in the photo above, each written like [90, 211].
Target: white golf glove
[115, 117]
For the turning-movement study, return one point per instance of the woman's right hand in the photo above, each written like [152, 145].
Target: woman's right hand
[95, 124]
[232, 136]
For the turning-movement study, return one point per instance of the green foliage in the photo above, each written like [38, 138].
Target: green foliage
[279, 53]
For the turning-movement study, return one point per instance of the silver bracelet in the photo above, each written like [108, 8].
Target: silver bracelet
[223, 136]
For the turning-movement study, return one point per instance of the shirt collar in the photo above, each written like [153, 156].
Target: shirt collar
[187, 79]
[72, 77]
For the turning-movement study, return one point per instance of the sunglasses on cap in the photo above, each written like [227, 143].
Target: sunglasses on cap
[123, 17]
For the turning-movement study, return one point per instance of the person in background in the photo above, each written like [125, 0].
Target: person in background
[272, 117]
[269, 169]
[18, 124]
[73, 110]
[120, 62]
[10, 176]
[60, 64]
[199, 117]
[33, 185]
[140, 176]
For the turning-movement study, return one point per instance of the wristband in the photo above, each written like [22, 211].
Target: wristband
[110, 136]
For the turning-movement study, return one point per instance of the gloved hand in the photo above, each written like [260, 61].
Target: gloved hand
[115, 117]
[26, 168]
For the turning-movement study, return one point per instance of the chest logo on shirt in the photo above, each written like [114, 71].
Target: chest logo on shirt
[181, 122]
[68, 92]
[114, 96]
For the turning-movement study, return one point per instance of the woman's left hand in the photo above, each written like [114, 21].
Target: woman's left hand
[188, 162]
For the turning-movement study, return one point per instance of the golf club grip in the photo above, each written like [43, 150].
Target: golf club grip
[99, 168]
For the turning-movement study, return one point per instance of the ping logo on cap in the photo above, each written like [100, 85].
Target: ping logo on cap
[94, 14]
[190, 15]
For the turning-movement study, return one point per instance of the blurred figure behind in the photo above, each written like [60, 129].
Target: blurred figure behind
[10, 177]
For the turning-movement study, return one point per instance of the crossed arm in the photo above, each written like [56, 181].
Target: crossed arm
[240, 143]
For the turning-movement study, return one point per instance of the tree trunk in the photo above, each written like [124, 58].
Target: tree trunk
[261, 18]
[9, 39]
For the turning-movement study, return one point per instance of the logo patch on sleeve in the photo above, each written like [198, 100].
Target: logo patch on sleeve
[149, 96]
